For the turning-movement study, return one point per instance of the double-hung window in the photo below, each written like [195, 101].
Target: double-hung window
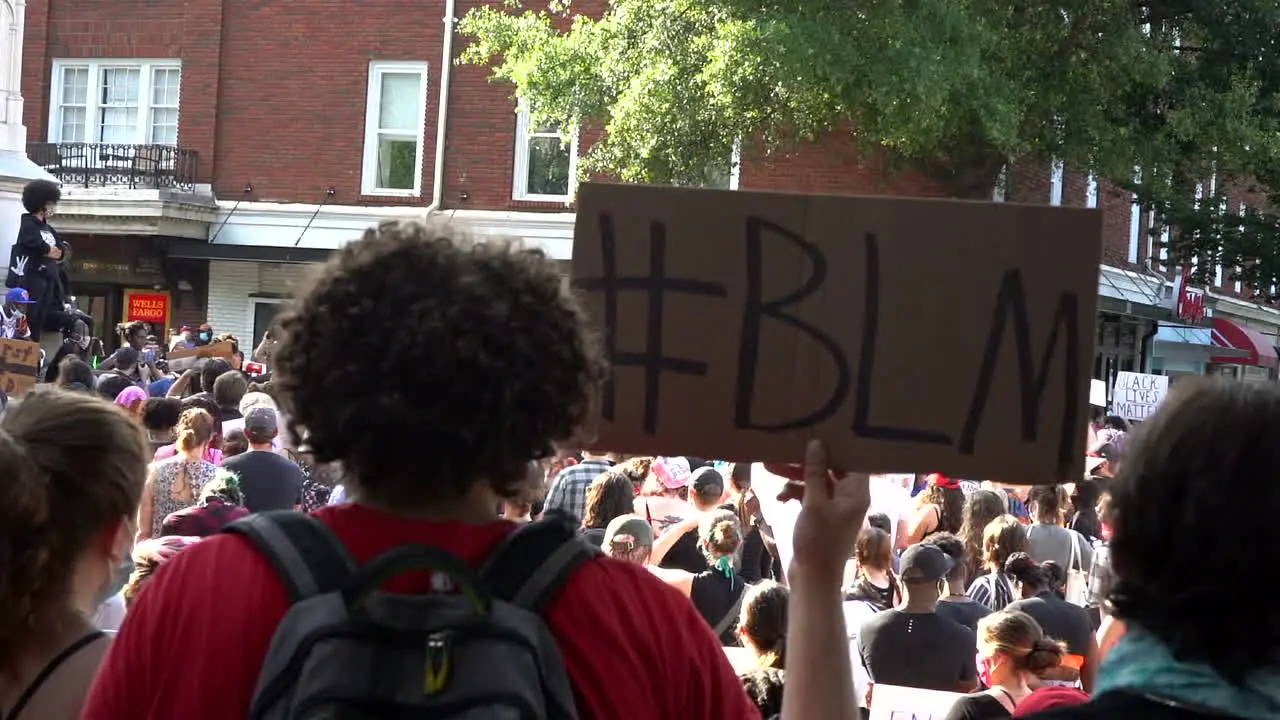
[395, 119]
[545, 165]
[125, 102]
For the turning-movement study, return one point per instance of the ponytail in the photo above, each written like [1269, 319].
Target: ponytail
[24, 546]
[73, 465]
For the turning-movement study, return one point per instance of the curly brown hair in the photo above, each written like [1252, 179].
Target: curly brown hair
[611, 494]
[418, 343]
[950, 503]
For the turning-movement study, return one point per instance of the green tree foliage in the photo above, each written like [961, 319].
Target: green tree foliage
[1185, 90]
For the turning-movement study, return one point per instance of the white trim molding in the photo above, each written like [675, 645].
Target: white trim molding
[281, 225]
[525, 135]
[379, 70]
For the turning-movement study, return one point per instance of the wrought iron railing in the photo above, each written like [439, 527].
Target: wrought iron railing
[110, 164]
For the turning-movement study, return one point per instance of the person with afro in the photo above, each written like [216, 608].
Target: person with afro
[33, 261]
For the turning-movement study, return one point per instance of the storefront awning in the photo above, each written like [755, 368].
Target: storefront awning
[1127, 292]
[1194, 344]
[1258, 349]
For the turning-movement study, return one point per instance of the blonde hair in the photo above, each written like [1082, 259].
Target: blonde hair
[195, 428]
[1019, 637]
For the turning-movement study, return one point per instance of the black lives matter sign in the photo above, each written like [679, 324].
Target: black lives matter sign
[910, 335]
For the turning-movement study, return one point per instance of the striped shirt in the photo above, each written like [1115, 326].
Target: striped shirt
[992, 590]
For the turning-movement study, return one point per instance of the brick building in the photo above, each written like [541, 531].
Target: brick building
[199, 166]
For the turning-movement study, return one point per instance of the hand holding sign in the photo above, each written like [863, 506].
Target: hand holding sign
[829, 523]
[924, 335]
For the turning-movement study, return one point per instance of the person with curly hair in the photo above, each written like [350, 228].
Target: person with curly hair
[940, 508]
[33, 259]
[148, 556]
[433, 368]
[608, 496]
[980, 508]
[1002, 537]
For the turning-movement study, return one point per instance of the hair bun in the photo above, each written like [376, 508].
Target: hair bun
[1045, 654]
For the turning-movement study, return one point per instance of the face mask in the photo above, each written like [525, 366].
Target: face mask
[984, 670]
[115, 583]
[204, 337]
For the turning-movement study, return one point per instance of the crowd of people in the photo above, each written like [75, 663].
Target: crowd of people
[137, 520]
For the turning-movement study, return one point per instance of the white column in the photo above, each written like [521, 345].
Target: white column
[16, 169]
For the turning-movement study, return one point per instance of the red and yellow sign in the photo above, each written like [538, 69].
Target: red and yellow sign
[149, 306]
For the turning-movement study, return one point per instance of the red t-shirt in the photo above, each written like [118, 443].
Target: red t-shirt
[193, 643]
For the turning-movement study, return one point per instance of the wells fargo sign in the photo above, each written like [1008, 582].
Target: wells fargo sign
[149, 306]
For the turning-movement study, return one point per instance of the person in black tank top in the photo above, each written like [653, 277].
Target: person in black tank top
[73, 469]
[716, 592]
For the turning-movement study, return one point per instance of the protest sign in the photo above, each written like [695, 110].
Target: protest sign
[1098, 393]
[891, 702]
[181, 358]
[1137, 395]
[19, 366]
[909, 334]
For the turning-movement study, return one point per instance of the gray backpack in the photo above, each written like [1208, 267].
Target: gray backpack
[346, 650]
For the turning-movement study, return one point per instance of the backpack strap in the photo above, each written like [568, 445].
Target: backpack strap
[534, 562]
[731, 615]
[307, 556]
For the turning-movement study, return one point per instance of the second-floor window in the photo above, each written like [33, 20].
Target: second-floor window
[545, 165]
[129, 102]
[395, 119]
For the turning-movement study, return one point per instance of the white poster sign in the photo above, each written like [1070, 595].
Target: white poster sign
[1098, 393]
[1137, 395]
[891, 702]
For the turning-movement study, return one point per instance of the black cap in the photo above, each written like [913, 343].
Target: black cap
[707, 484]
[924, 563]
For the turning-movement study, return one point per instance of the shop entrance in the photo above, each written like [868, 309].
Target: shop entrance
[104, 303]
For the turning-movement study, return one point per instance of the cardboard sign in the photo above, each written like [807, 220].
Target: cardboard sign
[891, 702]
[181, 358]
[1137, 395]
[149, 306]
[19, 366]
[910, 335]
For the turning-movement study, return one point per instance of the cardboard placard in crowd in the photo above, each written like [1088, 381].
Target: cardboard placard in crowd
[181, 359]
[909, 334]
[891, 702]
[19, 366]
[1137, 395]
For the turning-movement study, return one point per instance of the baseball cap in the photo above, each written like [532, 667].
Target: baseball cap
[18, 295]
[261, 424]
[1101, 452]
[672, 471]
[631, 530]
[706, 483]
[924, 563]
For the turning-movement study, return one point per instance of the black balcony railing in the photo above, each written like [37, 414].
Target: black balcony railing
[112, 165]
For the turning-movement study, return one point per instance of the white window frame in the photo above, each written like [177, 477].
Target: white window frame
[1091, 192]
[520, 168]
[254, 302]
[373, 104]
[93, 126]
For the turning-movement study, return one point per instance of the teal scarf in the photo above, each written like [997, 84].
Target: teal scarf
[1141, 663]
[725, 565]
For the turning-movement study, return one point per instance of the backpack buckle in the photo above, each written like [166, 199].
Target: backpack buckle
[436, 675]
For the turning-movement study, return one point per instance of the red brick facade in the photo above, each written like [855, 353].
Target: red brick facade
[273, 95]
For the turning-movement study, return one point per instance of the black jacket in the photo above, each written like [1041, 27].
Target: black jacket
[29, 261]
